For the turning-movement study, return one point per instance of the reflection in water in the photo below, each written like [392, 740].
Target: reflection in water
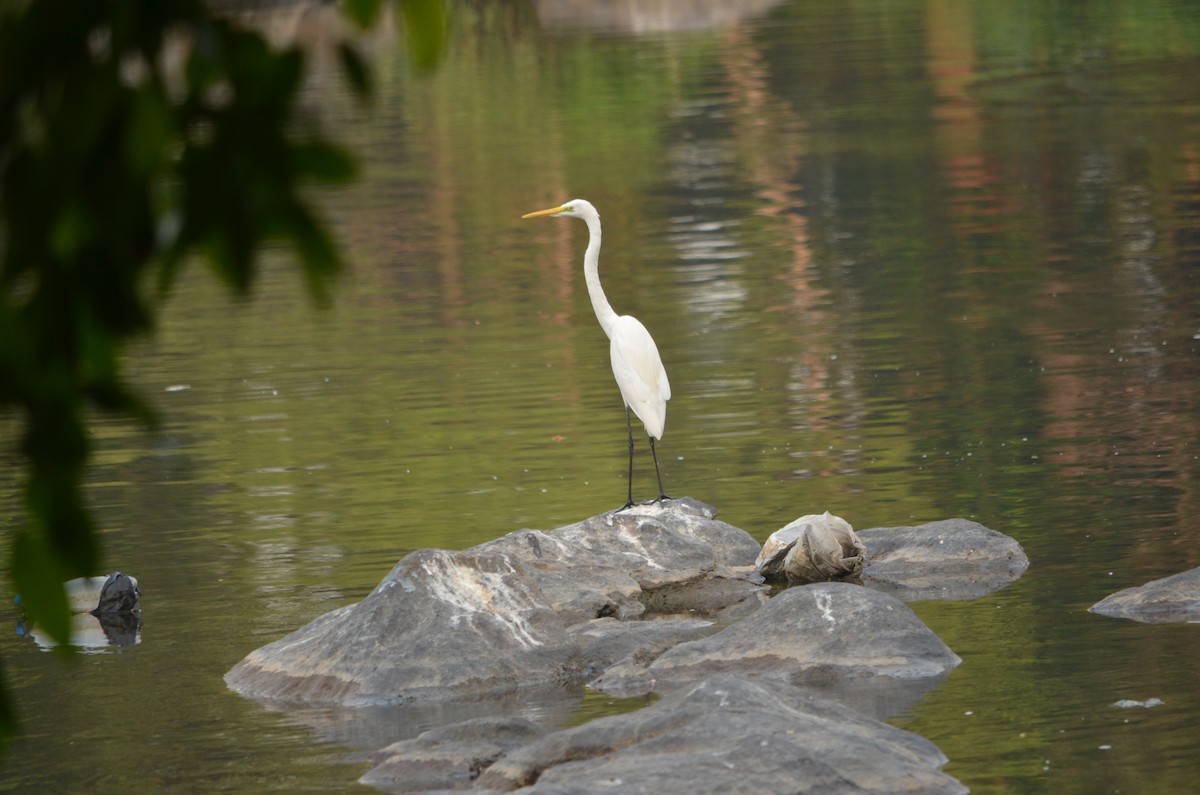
[91, 632]
[372, 728]
[649, 16]
[903, 262]
[105, 611]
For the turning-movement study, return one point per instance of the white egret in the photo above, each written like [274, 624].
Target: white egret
[635, 361]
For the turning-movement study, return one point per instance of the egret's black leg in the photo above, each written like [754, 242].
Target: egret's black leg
[629, 427]
[662, 495]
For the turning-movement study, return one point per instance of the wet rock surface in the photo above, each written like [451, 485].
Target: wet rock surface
[762, 694]
[1163, 601]
[607, 641]
[948, 559]
[832, 637]
[495, 618]
[449, 757]
[723, 734]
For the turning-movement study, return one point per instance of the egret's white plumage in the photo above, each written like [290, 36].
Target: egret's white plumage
[639, 373]
[636, 364]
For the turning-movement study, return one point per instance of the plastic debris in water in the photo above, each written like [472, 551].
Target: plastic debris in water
[812, 548]
[1129, 703]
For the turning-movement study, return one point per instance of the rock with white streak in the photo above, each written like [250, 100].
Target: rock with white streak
[861, 646]
[495, 618]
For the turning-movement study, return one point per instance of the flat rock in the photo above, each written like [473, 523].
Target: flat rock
[738, 589]
[720, 735]
[1167, 600]
[449, 757]
[863, 646]
[494, 618]
[948, 559]
[607, 641]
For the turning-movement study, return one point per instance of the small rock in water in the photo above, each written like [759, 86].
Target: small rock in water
[1170, 599]
[1129, 703]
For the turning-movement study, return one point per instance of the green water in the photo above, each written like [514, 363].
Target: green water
[903, 260]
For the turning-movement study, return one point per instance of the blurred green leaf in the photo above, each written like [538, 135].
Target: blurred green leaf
[317, 252]
[425, 30]
[362, 12]
[117, 160]
[357, 73]
[71, 230]
[67, 527]
[38, 578]
[324, 161]
[150, 131]
[8, 714]
[200, 70]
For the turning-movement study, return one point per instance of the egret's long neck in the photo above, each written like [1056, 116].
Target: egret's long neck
[591, 274]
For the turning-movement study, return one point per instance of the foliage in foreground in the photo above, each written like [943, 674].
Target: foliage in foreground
[134, 138]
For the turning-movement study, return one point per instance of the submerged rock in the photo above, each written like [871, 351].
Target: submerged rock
[722, 734]
[812, 548]
[948, 559]
[1167, 600]
[449, 757]
[495, 618]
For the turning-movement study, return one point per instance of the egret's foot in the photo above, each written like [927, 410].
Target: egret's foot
[658, 499]
[626, 506]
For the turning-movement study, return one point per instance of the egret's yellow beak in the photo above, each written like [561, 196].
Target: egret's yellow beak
[539, 213]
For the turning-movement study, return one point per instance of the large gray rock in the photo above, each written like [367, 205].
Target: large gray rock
[862, 646]
[494, 618]
[660, 598]
[723, 734]
[949, 559]
[1170, 599]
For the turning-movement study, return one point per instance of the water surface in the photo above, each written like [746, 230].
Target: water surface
[904, 261]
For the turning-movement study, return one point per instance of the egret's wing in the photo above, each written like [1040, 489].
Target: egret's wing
[640, 373]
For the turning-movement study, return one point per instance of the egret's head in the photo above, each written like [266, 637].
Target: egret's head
[576, 208]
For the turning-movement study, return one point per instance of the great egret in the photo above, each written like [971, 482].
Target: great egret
[635, 361]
